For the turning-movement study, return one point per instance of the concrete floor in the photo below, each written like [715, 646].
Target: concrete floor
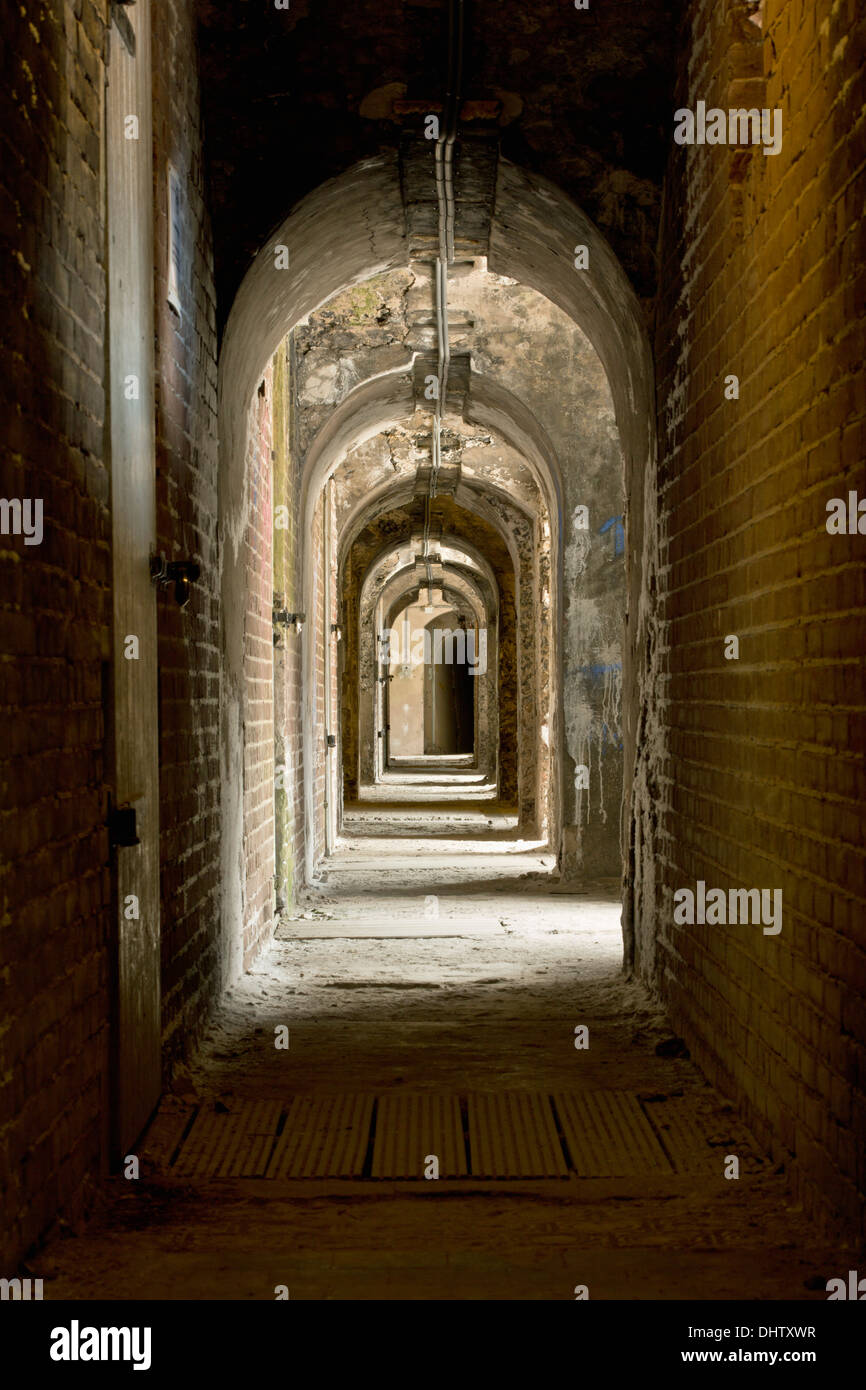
[403, 1007]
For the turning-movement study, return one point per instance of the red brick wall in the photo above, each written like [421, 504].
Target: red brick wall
[55, 619]
[186, 433]
[294, 682]
[762, 273]
[288, 743]
[325, 610]
[258, 676]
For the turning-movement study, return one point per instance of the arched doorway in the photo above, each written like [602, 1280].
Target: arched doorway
[532, 236]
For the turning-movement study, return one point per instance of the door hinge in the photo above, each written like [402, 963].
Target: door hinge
[124, 27]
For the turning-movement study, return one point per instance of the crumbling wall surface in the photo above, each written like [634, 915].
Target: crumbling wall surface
[762, 275]
[525, 342]
[519, 340]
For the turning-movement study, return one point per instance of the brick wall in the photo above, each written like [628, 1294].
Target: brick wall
[259, 825]
[350, 583]
[186, 435]
[317, 618]
[295, 732]
[56, 883]
[55, 616]
[288, 729]
[765, 782]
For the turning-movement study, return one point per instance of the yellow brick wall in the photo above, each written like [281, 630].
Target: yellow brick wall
[761, 268]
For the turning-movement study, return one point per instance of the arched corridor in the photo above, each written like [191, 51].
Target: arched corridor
[433, 827]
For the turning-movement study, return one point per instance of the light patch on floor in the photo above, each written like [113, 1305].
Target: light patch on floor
[562, 1165]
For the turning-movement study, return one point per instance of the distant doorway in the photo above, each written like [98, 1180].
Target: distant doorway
[449, 690]
[431, 691]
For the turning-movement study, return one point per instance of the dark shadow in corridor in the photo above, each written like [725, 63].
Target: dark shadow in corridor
[431, 990]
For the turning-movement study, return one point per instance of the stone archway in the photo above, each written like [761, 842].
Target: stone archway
[533, 232]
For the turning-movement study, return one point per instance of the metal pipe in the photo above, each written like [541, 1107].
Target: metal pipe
[444, 166]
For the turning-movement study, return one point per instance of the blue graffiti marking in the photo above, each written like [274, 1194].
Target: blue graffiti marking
[596, 672]
[617, 522]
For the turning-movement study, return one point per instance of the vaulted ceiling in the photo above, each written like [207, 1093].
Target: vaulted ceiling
[294, 97]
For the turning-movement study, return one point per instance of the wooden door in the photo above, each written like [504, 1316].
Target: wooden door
[134, 731]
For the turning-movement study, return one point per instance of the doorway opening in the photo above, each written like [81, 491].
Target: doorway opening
[449, 698]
